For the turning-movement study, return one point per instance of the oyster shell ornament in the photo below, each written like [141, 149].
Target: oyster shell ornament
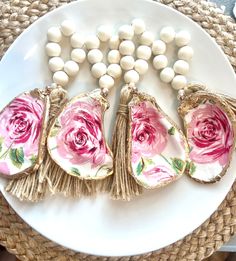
[22, 134]
[210, 127]
[24, 126]
[76, 140]
[149, 149]
[76, 143]
[158, 151]
[209, 118]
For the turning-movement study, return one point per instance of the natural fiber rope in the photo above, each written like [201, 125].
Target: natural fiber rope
[25, 243]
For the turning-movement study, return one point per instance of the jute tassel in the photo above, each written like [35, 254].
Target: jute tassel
[33, 187]
[61, 182]
[121, 184]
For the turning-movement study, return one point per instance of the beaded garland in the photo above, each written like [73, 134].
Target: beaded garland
[148, 152]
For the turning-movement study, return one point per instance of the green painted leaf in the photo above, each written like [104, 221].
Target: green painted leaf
[75, 171]
[140, 167]
[171, 131]
[178, 164]
[190, 168]
[148, 162]
[17, 157]
[54, 132]
[33, 159]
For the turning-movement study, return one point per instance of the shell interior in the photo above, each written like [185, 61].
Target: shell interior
[76, 140]
[210, 129]
[157, 148]
[23, 124]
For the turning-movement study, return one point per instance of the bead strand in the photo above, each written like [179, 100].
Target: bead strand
[63, 70]
[134, 68]
[106, 75]
[175, 75]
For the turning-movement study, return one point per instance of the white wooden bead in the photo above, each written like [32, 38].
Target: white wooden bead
[60, 78]
[106, 81]
[185, 53]
[53, 49]
[78, 55]
[113, 56]
[114, 42]
[139, 26]
[54, 34]
[127, 47]
[92, 42]
[56, 64]
[71, 68]
[104, 33]
[127, 62]
[98, 70]
[67, 27]
[167, 75]
[126, 32]
[146, 38]
[144, 52]
[131, 76]
[160, 62]
[181, 67]
[182, 38]
[95, 56]
[158, 47]
[179, 82]
[77, 40]
[167, 34]
[114, 70]
[141, 66]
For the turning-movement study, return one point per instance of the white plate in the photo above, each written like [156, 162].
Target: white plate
[157, 218]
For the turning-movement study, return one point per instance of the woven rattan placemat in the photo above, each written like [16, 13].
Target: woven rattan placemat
[27, 244]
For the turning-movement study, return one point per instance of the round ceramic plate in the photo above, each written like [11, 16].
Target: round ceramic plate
[157, 218]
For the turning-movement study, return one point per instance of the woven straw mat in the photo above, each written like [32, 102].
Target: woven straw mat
[27, 244]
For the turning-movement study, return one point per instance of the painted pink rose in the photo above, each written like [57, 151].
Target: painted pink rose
[149, 136]
[210, 135]
[159, 174]
[21, 123]
[80, 139]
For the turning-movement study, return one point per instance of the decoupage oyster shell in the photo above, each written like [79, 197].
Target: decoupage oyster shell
[158, 150]
[23, 125]
[210, 129]
[76, 139]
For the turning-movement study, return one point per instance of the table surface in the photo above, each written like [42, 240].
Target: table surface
[229, 4]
